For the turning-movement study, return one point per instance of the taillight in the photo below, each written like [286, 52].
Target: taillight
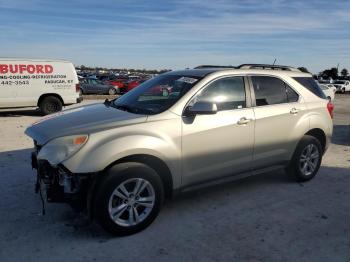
[330, 108]
[77, 88]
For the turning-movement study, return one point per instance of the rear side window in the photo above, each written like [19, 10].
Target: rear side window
[271, 90]
[291, 94]
[311, 85]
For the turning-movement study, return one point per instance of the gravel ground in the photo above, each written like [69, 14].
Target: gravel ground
[262, 218]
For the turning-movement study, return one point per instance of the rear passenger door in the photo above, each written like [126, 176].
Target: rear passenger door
[277, 115]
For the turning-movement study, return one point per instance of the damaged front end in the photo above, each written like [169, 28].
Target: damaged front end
[56, 184]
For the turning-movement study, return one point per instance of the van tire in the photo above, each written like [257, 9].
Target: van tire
[50, 104]
[105, 197]
[294, 168]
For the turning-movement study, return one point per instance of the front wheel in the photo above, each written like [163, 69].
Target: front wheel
[128, 199]
[306, 159]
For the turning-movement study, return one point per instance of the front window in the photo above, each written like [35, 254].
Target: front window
[156, 95]
[227, 93]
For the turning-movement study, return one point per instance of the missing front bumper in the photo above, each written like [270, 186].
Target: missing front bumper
[58, 184]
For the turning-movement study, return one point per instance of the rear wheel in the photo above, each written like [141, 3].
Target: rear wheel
[50, 104]
[306, 159]
[128, 199]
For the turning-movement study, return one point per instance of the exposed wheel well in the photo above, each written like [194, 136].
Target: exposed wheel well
[158, 165]
[41, 98]
[319, 135]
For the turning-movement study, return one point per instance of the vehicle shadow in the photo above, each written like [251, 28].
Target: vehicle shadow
[21, 211]
[20, 112]
[341, 135]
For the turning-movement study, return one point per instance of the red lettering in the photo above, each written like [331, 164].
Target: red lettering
[13, 69]
[22, 68]
[31, 69]
[3, 69]
[39, 69]
[48, 69]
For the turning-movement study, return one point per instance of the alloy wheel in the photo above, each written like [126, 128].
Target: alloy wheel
[131, 202]
[309, 159]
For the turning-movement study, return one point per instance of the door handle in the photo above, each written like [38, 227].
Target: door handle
[294, 111]
[244, 121]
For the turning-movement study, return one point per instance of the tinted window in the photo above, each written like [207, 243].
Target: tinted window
[291, 94]
[310, 84]
[226, 93]
[269, 90]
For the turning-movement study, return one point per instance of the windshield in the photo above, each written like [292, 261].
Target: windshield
[156, 95]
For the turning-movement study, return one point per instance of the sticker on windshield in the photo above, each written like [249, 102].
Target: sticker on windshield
[188, 80]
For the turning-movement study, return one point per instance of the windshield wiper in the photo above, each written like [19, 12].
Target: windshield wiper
[134, 110]
[124, 108]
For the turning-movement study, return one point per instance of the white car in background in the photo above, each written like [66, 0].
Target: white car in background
[333, 87]
[328, 91]
[342, 86]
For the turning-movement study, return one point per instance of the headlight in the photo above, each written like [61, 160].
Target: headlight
[62, 148]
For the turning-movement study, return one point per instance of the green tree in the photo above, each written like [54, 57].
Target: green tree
[344, 72]
[303, 69]
[330, 73]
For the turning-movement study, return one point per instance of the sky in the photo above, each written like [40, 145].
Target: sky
[177, 34]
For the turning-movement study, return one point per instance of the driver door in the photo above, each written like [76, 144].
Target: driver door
[220, 144]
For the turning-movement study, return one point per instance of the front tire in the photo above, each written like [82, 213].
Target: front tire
[306, 159]
[128, 199]
[50, 104]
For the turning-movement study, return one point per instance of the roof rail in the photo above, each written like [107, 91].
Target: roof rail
[213, 66]
[267, 66]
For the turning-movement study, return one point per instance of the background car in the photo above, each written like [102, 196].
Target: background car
[328, 91]
[342, 86]
[333, 87]
[94, 86]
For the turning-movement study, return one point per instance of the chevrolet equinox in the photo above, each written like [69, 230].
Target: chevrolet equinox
[120, 159]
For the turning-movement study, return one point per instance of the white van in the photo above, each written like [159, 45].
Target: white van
[48, 84]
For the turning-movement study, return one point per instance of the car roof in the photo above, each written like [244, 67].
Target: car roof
[206, 71]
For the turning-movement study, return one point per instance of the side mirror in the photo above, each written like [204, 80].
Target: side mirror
[202, 108]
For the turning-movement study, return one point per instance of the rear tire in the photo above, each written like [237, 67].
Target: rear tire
[127, 212]
[306, 159]
[50, 104]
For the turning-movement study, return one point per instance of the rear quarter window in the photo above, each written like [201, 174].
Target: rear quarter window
[311, 85]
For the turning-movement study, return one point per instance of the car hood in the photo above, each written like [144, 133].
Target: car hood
[81, 120]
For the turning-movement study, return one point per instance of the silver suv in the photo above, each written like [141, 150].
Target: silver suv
[119, 159]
